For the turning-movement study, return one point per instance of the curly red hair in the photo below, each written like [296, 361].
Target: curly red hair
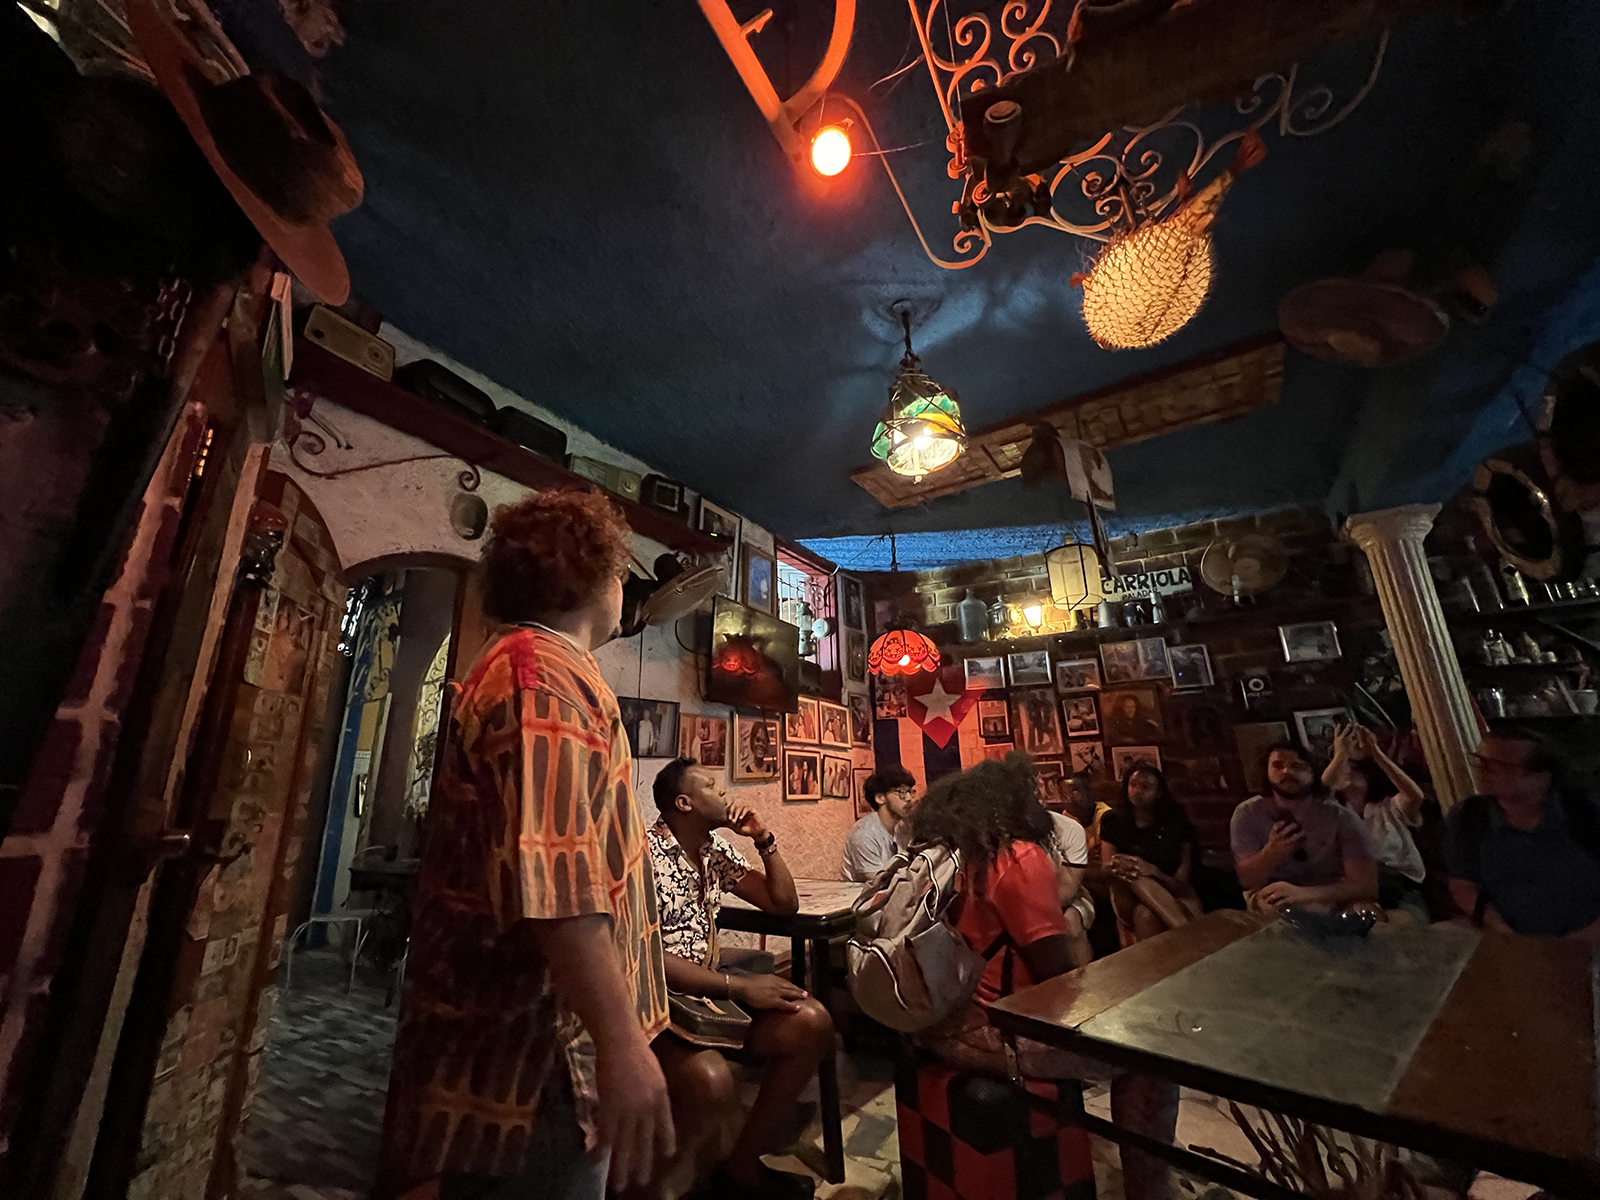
[551, 553]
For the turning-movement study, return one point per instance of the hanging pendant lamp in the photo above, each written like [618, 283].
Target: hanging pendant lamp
[901, 649]
[920, 430]
[1074, 570]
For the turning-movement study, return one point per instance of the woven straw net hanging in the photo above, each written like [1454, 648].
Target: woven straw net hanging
[1147, 283]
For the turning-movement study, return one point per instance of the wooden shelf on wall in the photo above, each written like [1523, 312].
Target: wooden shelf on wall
[329, 376]
[1547, 608]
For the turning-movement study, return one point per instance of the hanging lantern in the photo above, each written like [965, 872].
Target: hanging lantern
[920, 430]
[902, 652]
[1074, 576]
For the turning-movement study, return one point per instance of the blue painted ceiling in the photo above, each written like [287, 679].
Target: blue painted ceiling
[581, 201]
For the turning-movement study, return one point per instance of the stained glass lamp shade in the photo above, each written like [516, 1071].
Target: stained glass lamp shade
[920, 430]
[902, 652]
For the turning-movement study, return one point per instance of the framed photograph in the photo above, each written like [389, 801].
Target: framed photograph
[889, 696]
[1191, 667]
[1052, 776]
[651, 725]
[858, 789]
[760, 580]
[1310, 641]
[835, 777]
[1081, 717]
[855, 656]
[1125, 757]
[1132, 716]
[860, 719]
[1034, 723]
[851, 603]
[704, 739]
[1029, 668]
[1136, 661]
[1252, 739]
[1315, 727]
[1088, 758]
[997, 752]
[984, 673]
[833, 724]
[994, 721]
[720, 523]
[1078, 675]
[755, 748]
[802, 775]
[801, 725]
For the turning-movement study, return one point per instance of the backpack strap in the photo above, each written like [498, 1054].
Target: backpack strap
[1005, 967]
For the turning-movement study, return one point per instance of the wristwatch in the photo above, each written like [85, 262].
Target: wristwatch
[767, 845]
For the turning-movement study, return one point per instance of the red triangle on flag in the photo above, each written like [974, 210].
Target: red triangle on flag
[938, 700]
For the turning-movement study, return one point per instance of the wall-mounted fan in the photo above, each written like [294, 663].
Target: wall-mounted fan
[1245, 566]
[676, 591]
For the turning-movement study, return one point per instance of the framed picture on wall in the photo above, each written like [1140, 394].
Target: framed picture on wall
[1252, 739]
[1310, 641]
[1191, 667]
[1088, 758]
[1078, 675]
[1080, 716]
[755, 748]
[1123, 758]
[997, 751]
[860, 719]
[855, 656]
[858, 789]
[1135, 661]
[984, 673]
[1051, 774]
[1034, 722]
[651, 725]
[704, 739]
[1029, 668]
[889, 696]
[994, 721]
[1316, 728]
[835, 777]
[726, 526]
[802, 775]
[1132, 716]
[851, 603]
[833, 723]
[759, 585]
[801, 726]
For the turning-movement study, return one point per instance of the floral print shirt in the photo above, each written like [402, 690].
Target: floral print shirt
[689, 901]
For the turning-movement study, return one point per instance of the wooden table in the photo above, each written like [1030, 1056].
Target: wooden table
[824, 914]
[1476, 1048]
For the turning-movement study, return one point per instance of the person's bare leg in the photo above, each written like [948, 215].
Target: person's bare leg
[1146, 924]
[702, 1091]
[1078, 948]
[790, 1045]
[1160, 901]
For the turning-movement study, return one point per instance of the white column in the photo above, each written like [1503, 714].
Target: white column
[1440, 706]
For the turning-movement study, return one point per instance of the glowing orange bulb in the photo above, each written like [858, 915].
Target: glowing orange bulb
[830, 151]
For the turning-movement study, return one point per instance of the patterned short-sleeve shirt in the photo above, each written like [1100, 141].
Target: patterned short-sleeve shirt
[532, 818]
[689, 901]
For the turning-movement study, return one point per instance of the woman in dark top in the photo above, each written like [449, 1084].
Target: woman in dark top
[1149, 846]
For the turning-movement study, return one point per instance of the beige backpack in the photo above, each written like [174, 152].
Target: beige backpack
[909, 968]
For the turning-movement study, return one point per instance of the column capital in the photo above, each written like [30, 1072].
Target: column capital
[1391, 526]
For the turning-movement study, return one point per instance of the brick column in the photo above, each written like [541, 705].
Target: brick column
[1440, 706]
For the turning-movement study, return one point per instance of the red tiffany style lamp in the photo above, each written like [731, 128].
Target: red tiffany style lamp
[902, 652]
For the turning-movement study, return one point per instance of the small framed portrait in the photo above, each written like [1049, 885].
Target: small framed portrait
[704, 739]
[1316, 727]
[760, 580]
[1125, 758]
[1078, 675]
[651, 725]
[835, 777]
[1310, 641]
[1136, 661]
[984, 673]
[755, 748]
[1034, 723]
[1253, 738]
[1191, 667]
[1080, 716]
[997, 752]
[1132, 716]
[833, 723]
[1029, 668]
[851, 602]
[1087, 758]
[994, 721]
[858, 789]
[889, 696]
[802, 775]
[1051, 774]
[801, 727]
[855, 656]
[860, 719]
[720, 523]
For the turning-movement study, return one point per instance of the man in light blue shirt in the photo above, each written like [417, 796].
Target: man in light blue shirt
[881, 834]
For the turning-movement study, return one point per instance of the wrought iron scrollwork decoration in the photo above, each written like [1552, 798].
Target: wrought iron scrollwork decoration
[300, 439]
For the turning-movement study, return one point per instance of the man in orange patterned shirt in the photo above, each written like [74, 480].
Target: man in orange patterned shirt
[534, 978]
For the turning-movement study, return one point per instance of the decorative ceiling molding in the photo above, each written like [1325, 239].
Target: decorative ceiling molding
[1236, 380]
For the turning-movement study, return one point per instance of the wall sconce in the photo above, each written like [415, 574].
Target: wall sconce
[1033, 614]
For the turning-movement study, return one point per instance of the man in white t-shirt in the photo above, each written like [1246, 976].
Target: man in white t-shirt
[883, 832]
[1070, 849]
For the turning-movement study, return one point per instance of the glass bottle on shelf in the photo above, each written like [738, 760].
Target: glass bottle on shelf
[1529, 647]
[972, 616]
[1516, 585]
[1494, 649]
